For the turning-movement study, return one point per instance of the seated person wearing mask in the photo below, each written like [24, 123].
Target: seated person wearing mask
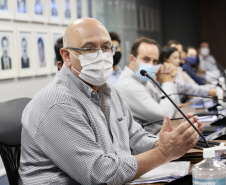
[190, 63]
[78, 130]
[116, 58]
[141, 95]
[58, 45]
[185, 83]
[207, 63]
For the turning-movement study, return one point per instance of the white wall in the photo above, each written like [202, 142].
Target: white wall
[23, 87]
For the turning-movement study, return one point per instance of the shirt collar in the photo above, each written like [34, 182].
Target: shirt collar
[132, 74]
[118, 72]
[202, 57]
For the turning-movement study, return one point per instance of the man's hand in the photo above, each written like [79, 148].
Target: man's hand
[166, 73]
[196, 119]
[174, 143]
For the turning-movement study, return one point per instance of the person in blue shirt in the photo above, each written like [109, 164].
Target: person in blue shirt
[191, 61]
[116, 58]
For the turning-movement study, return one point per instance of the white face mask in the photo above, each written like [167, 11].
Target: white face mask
[95, 71]
[205, 51]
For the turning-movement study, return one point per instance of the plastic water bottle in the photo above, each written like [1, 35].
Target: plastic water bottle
[209, 171]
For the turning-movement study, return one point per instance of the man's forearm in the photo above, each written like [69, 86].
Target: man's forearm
[150, 160]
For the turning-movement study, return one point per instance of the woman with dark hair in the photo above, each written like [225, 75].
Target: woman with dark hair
[185, 84]
[171, 55]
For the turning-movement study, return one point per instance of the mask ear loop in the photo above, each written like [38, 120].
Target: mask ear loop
[71, 64]
[73, 54]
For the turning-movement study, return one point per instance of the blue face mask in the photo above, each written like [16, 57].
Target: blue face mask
[151, 70]
[191, 60]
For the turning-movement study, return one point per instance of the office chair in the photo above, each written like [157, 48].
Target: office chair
[10, 136]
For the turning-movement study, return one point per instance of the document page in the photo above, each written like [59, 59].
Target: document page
[165, 173]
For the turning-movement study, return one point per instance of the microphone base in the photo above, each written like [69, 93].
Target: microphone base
[219, 135]
[220, 122]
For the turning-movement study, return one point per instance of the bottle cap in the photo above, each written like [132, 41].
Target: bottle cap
[208, 153]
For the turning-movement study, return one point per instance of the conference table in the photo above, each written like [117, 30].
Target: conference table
[186, 109]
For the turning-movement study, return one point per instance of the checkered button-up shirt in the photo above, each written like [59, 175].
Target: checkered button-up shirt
[73, 135]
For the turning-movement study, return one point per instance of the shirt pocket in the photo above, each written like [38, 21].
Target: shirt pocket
[121, 134]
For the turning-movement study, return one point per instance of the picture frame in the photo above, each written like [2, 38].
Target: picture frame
[8, 64]
[54, 36]
[55, 12]
[39, 10]
[91, 8]
[6, 9]
[79, 9]
[22, 10]
[41, 42]
[25, 59]
[68, 11]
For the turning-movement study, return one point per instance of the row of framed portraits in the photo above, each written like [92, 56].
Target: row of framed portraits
[25, 52]
[47, 11]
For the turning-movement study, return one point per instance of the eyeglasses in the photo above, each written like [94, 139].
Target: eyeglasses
[93, 52]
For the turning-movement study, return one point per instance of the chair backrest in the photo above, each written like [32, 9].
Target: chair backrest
[10, 136]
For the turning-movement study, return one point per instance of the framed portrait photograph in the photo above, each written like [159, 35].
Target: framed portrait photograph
[54, 37]
[84, 8]
[39, 10]
[79, 9]
[25, 59]
[6, 11]
[41, 55]
[55, 11]
[7, 54]
[22, 9]
[90, 8]
[68, 11]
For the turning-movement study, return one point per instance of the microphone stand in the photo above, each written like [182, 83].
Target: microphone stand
[144, 73]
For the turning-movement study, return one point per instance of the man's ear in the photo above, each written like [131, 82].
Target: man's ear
[132, 62]
[131, 58]
[65, 55]
[59, 65]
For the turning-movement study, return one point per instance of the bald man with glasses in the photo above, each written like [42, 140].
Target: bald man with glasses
[78, 130]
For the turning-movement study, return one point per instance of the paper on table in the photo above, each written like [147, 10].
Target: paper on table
[208, 118]
[164, 173]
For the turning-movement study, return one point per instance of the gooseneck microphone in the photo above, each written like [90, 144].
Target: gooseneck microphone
[183, 94]
[144, 73]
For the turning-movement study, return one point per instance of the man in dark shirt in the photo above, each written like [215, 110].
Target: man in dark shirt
[25, 63]
[5, 59]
